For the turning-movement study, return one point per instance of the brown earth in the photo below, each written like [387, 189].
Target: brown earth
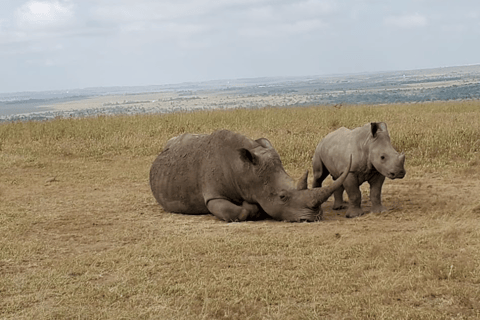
[80, 239]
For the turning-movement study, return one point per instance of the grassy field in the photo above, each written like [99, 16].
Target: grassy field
[81, 236]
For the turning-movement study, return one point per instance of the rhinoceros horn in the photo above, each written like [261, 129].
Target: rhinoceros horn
[323, 193]
[302, 183]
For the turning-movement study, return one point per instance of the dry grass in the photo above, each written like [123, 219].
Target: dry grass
[82, 237]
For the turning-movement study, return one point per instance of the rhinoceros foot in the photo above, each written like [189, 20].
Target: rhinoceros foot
[250, 211]
[340, 206]
[378, 209]
[354, 212]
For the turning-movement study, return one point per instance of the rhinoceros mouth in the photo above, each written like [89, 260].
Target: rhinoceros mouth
[310, 214]
[309, 218]
[397, 175]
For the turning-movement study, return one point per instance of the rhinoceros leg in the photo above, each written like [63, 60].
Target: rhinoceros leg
[338, 203]
[354, 196]
[376, 184]
[320, 172]
[228, 211]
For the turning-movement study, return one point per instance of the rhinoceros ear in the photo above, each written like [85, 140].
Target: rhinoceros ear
[264, 142]
[374, 128]
[248, 156]
[378, 126]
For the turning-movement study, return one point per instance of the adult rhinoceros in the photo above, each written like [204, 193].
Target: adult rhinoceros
[374, 158]
[234, 178]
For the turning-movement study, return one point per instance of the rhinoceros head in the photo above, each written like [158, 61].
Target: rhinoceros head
[277, 193]
[382, 155]
[303, 204]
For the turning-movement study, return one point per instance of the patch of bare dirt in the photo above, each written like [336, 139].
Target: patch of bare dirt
[431, 192]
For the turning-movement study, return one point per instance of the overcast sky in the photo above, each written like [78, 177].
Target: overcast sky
[65, 44]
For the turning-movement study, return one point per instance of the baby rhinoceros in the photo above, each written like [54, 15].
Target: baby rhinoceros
[234, 178]
[374, 158]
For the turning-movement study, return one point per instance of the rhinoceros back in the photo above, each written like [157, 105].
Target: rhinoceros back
[334, 151]
[175, 175]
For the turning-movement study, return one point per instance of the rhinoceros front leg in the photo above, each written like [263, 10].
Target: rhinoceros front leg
[376, 184]
[351, 185]
[228, 211]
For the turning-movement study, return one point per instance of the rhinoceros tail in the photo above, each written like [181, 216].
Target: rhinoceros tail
[323, 193]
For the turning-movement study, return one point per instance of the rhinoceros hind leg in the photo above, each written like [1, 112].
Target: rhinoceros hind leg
[320, 172]
[338, 203]
[354, 197]
[228, 211]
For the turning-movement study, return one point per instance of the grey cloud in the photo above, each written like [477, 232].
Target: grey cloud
[109, 42]
[282, 29]
[407, 21]
[44, 15]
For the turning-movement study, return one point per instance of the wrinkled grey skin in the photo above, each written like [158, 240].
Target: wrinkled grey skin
[234, 178]
[374, 158]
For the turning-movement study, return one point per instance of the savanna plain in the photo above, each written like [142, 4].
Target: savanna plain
[81, 236]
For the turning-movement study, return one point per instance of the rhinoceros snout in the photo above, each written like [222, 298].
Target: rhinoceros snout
[397, 175]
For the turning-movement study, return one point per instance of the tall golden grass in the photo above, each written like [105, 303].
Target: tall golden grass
[433, 134]
[81, 236]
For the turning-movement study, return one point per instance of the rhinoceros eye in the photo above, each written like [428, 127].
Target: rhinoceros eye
[283, 196]
[382, 157]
